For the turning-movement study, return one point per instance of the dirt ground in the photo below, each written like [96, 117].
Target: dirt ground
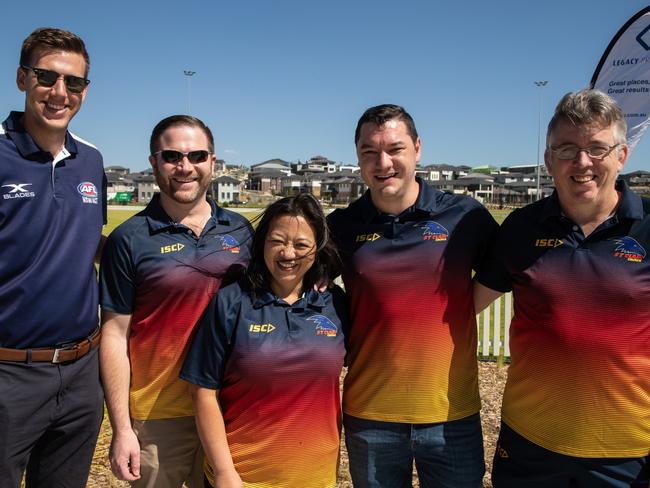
[491, 378]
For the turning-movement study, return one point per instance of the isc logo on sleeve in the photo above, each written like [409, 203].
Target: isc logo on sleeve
[171, 248]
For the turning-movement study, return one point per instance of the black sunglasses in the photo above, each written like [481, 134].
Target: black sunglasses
[47, 78]
[173, 157]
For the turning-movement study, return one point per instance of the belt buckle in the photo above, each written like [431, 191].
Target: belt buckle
[57, 352]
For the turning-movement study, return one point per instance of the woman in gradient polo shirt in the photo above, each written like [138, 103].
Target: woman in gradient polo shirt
[267, 356]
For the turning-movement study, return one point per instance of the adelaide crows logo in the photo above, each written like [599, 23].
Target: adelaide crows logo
[629, 249]
[433, 231]
[324, 326]
[229, 243]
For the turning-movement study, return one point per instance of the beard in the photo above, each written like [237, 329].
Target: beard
[196, 192]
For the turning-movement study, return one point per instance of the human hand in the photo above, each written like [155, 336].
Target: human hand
[321, 286]
[125, 455]
[228, 479]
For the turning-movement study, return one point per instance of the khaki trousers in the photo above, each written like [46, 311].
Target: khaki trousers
[170, 453]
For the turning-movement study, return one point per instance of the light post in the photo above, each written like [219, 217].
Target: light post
[540, 85]
[189, 73]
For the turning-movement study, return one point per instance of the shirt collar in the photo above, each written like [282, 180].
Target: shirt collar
[26, 146]
[310, 299]
[158, 220]
[426, 203]
[630, 206]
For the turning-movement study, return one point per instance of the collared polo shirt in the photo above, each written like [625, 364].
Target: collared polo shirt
[579, 382]
[158, 272]
[51, 216]
[277, 367]
[412, 344]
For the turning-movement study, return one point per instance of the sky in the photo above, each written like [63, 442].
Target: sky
[289, 79]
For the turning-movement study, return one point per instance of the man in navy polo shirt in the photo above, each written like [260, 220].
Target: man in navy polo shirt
[52, 209]
[159, 271]
[576, 404]
[411, 392]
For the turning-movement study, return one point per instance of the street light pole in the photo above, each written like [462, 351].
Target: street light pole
[189, 73]
[540, 85]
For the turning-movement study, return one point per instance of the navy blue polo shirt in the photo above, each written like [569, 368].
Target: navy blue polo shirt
[579, 381]
[163, 275]
[413, 341]
[277, 367]
[51, 218]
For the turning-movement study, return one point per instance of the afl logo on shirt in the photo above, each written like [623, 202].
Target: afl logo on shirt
[629, 249]
[433, 231]
[88, 192]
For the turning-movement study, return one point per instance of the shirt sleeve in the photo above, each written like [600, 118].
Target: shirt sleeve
[117, 276]
[480, 226]
[493, 272]
[104, 198]
[206, 358]
[341, 306]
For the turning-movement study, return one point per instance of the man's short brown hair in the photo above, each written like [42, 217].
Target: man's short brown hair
[47, 39]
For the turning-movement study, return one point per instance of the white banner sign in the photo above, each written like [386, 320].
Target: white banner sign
[624, 74]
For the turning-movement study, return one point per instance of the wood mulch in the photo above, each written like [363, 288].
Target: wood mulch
[491, 382]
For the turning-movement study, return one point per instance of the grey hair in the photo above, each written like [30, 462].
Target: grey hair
[586, 107]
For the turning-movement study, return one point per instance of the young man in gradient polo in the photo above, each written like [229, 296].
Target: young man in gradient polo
[411, 392]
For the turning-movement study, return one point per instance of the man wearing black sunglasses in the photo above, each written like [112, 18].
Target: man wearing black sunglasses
[159, 270]
[52, 209]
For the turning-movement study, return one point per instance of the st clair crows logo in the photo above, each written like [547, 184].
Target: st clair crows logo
[324, 326]
[629, 249]
[433, 231]
[229, 243]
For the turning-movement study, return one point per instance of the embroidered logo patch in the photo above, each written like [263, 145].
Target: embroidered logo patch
[261, 328]
[629, 249]
[548, 242]
[367, 237]
[171, 248]
[433, 231]
[88, 192]
[229, 243]
[324, 326]
[17, 190]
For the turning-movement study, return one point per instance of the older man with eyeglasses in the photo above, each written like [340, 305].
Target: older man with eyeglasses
[576, 406]
[159, 271]
[52, 209]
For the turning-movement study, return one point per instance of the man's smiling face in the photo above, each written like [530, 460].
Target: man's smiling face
[387, 158]
[51, 109]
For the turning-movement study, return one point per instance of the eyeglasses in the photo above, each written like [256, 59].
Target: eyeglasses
[571, 152]
[48, 78]
[173, 157]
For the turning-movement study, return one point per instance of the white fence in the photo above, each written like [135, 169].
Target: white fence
[494, 327]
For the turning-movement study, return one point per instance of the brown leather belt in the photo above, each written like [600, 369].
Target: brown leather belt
[63, 354]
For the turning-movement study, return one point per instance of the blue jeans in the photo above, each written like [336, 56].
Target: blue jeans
[447, 455]
[518, 462]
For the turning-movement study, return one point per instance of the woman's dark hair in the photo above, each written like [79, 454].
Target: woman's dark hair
[327, 263]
